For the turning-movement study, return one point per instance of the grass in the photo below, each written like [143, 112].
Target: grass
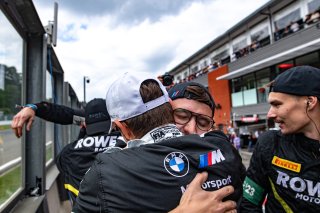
[5, 127]
[10, 182]
[49, 152]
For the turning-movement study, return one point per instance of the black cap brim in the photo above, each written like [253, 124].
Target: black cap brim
[179, 90]
[98, 127]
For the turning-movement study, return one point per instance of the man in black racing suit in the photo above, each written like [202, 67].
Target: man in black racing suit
[154, 171]
[157, 174]
[285, 164]
[76, 158]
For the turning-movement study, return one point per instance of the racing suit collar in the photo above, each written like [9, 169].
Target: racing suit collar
[156, 135]
[309, 144]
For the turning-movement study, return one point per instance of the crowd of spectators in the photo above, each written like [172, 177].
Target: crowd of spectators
[295, 26]
[200, 72]
[312, 17]
[246, 50]
[292, 27]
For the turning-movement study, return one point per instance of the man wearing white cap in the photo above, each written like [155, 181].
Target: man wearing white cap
[153, 172]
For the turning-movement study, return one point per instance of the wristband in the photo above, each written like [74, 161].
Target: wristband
[32, 106]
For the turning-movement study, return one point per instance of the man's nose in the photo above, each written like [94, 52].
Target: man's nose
[191, 126]
[271, 113]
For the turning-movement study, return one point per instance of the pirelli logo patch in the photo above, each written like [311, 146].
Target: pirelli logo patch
[286, 164]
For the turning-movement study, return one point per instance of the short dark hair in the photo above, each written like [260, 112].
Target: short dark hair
[193, 91]
[199, 94]
[161, 115]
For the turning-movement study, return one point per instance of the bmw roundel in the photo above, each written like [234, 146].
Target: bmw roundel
[177, 164]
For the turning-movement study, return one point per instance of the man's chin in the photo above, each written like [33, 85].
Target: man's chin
[285, 131]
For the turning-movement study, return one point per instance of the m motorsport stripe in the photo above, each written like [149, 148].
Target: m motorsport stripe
[210, 158]
[204, 161]
[175, 94]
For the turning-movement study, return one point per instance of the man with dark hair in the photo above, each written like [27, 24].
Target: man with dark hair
[193, 108]
[154, 171]
[76, 158]
[285, 164]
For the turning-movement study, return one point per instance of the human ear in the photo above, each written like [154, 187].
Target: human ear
[125, 131]
[311, 101]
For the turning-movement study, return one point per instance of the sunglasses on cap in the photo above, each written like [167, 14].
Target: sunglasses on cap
[183, 116]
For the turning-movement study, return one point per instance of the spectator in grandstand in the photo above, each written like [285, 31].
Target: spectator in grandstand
[294, 27]
[315, 16]
[215, 65]
[307, 19]
[152, 173]
[312, 17]
[254, 45]
[191, 77]
[286, 31]
[243, 52]
[285, 164]
[277, 33]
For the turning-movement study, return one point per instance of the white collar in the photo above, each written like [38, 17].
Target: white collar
[156, 135]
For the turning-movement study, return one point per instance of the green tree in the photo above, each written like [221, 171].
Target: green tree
[11, 95]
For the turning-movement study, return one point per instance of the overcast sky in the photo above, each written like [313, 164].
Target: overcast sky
[104, 38]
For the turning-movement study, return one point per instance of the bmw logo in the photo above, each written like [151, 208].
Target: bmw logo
[177, 164]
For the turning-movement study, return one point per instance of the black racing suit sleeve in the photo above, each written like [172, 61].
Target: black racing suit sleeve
[242, 168]
[256, 184]
[82, 132]
[88, 199]
[58, 113]
[62, 162]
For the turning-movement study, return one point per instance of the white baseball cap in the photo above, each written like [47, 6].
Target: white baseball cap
[123, 96]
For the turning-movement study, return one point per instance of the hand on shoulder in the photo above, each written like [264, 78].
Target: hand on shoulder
[197, 200]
